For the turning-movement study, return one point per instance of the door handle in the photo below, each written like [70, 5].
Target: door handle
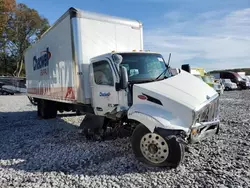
[99, 109]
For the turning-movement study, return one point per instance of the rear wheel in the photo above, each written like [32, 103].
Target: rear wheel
[39, 108]
[78, 112]
[155, 149]
[46, 109]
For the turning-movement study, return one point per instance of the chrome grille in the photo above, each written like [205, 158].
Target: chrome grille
[210, 111]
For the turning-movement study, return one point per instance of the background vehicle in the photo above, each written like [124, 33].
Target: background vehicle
[229, 85]
[196, 73]
[202, 71]
[248, 81]
[72, 68]
[234, 77]
[220, 82]
[245, 78]
[201, 74]
[210, 81]
[5, 91]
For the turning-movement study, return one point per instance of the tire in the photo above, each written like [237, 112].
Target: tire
[78, 112]
[169, 154]
[47, 109]
[227, 88]
[39, 108]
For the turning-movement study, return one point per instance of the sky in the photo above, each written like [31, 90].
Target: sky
[212, 34]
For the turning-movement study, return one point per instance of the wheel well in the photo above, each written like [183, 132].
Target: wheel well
[169, 132]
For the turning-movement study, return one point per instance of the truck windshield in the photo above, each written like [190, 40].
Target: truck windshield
[144, 66]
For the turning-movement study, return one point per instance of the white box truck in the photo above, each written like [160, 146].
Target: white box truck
[87, 62]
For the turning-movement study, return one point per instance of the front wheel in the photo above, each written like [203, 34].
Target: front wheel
[156, 150]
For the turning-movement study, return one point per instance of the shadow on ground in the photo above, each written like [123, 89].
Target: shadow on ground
[35, 145]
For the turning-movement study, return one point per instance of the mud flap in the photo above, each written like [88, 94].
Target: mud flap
[91, 121]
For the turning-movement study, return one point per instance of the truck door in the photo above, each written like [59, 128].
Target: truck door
[104, 94]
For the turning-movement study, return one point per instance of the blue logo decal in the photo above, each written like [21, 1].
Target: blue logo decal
[42, 61]
[104, 94]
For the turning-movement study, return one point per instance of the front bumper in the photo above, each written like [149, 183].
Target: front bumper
[203, 130]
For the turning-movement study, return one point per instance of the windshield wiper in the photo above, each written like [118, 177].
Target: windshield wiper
[164, 72]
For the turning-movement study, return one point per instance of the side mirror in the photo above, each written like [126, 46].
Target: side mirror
[186, 67]
[124, 78]
[123, 84]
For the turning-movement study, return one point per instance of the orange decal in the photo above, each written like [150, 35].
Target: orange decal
[54, 92]
[70, 93]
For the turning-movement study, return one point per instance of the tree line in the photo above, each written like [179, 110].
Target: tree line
[20, 26]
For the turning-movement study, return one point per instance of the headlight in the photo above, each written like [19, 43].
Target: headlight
[202, 115]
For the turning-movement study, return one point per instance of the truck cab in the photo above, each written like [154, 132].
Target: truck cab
[141, 67]
[140, 86]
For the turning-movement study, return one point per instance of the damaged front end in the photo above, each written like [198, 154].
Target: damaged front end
[113, 125]
[206, 120]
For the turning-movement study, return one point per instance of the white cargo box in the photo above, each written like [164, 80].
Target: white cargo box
[57, 66]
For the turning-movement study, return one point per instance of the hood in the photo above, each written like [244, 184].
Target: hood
[182, 88]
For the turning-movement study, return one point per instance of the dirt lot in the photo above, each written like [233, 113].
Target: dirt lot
[51, 153]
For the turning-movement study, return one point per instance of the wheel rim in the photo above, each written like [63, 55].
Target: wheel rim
[154, 148]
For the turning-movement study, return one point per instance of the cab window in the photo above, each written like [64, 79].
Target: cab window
[102, 73]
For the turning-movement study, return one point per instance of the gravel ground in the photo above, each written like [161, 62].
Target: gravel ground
[51, 153]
